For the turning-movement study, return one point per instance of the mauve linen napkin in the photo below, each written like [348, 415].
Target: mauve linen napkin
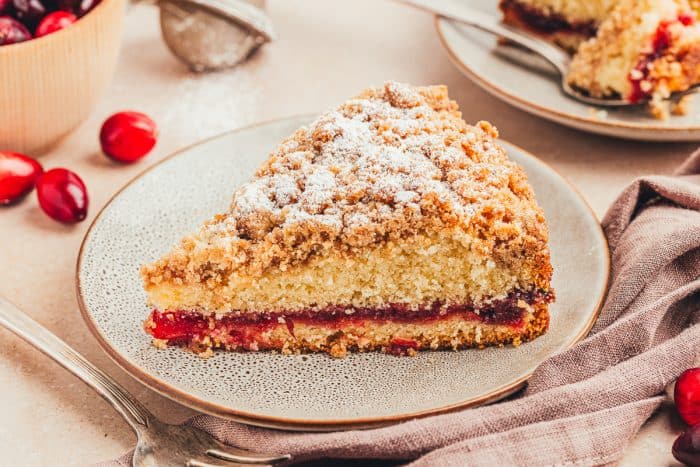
[582, 406]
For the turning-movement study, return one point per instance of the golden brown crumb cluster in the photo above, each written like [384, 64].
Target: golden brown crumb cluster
[394, 162]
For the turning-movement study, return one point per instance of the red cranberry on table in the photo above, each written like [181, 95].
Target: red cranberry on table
[687, 396]
[128, 136]
[62, 196]
[18, 175]
[54, 22]
[12, 31]
[686, 448]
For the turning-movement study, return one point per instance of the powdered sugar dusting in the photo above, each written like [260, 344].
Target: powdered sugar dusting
[392, 162]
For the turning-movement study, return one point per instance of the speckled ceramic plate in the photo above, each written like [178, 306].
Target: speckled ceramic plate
[313, 392]
[530, 84]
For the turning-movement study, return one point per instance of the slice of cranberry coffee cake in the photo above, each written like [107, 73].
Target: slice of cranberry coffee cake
[637, 50]
[645, 49]
[386, 224]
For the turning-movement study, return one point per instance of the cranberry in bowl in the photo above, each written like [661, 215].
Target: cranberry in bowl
[56, 59]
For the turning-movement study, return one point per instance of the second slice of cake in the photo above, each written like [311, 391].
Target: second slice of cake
[645, 49]
[641, 51]
[386, 224]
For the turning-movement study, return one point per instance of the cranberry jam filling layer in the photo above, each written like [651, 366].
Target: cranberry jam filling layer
[639, 77]
[253, 331]
[533, 18]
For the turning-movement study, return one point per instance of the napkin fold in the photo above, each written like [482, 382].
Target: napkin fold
[583, 405]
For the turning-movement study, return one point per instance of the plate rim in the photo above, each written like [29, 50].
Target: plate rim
[285, 423]
[548, 112]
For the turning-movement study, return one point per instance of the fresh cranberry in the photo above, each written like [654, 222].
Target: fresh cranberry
[62, 195]
[67, 5]
[84, 6]
[687, 396]
[18, 175]
[686, 448]
[78, 7]
[29, 12]
[3, 5]
[128, 136]
[54, 22]
[12, 31]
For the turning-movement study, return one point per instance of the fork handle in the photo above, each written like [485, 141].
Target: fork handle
[19, 323]
[459, 11]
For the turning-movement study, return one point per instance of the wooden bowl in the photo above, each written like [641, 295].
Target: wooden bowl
[49, 85]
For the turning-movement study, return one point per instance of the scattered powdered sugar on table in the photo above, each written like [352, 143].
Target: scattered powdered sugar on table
[204, 105]
[187, 106]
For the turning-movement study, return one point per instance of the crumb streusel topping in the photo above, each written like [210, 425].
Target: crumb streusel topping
[391, 163]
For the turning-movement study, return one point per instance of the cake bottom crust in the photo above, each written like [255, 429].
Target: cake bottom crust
[454, 331]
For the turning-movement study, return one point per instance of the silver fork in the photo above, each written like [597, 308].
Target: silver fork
[459, 11]
[158, 443]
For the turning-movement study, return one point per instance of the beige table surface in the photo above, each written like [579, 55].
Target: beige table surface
[327, 51]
